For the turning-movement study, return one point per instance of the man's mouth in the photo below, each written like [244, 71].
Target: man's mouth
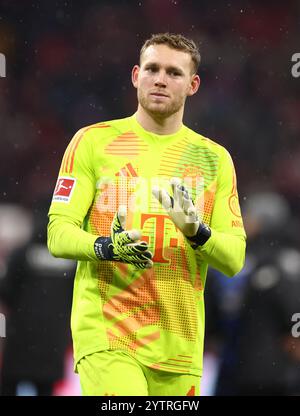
[159, 94]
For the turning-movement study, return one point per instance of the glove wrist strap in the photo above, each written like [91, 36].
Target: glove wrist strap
[202, 235]
[103, 248]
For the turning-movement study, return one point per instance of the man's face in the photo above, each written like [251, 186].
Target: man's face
[164, 79]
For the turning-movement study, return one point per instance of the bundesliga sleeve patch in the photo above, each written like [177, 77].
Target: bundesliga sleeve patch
[64, 189]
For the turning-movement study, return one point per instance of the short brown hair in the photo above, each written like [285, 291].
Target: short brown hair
[175, 41]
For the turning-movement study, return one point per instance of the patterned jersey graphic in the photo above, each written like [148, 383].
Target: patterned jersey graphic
[157, 314]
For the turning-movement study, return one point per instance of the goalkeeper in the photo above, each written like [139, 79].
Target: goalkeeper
[145, 204]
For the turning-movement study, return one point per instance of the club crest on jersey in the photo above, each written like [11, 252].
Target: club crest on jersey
[64, 189]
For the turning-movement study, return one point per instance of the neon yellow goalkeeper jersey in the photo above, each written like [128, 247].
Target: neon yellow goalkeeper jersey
[157, 314]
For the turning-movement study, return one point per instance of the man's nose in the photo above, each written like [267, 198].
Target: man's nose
[161, 79]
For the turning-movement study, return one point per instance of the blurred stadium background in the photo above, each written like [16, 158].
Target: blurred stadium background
[68, 65]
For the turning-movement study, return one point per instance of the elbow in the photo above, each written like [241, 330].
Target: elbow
[53, 251]
[52, 247]
[237, 264]
[235, 268]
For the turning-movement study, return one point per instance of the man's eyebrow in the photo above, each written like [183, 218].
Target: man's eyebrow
[169, 68]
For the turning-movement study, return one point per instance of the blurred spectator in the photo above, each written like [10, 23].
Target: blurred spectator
[15, 228]
[36, 291]
[259, 355]
[268, 357]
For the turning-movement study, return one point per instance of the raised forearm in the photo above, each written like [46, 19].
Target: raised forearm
[224, 252]
[66, 239]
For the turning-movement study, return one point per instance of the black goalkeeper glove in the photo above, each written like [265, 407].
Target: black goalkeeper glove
[123, 246]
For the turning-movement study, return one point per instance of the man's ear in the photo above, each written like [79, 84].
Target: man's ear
[194, 85]
[134, 75]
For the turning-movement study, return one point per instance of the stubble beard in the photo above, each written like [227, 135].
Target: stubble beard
[160, 110]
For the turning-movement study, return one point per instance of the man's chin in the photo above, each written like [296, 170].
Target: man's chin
[159, 110]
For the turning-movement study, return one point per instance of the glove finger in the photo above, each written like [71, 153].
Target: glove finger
[175, 182]
[149, 264]
[128, 257]
[146, 255]
[133, 235]
[140, 246]
[180, 192]
[130, 236]
[122, 213]
[125, 237]
[143, 245]
[145, 265]
[141, 258]
[192, 216]
[137, 250]
[116, 227]
[163, 197]
[187, 204]
[186, 194]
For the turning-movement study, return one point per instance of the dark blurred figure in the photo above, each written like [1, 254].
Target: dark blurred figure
[36, 292]
[268, 355]
[254, 311]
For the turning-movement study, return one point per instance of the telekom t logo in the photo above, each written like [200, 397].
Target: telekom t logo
[160, 219]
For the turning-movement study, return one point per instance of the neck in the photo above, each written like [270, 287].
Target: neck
[157, 124]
